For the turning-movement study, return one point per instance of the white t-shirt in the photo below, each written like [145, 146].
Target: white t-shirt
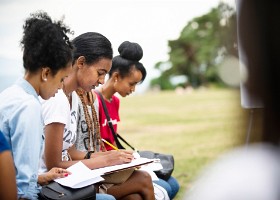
[57, 110]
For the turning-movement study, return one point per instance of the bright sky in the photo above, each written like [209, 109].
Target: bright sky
[151, 23]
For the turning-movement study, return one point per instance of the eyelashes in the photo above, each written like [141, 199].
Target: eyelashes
[99, 74]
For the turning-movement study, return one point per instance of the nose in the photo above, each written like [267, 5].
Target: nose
[101, 81]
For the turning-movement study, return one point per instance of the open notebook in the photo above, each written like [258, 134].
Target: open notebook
[83, 176]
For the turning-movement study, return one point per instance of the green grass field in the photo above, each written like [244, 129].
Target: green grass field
[195, 127]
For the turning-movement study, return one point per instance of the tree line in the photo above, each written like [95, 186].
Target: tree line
[202, 46]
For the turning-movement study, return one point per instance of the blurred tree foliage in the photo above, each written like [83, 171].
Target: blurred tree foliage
[201, 47]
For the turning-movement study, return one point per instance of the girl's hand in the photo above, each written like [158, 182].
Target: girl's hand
[54, 173]
[119, 157]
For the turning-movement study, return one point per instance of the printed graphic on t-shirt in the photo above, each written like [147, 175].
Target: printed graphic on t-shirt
[84, 126]
[69, 135]
[84, 136]
[114, 122]
[73, 116]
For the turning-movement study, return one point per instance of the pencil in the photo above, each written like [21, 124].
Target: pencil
[110, 144]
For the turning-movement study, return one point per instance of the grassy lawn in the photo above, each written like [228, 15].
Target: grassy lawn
[195, 127]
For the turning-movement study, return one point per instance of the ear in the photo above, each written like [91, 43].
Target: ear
[115, 76]
[46, 72]
[81, 61]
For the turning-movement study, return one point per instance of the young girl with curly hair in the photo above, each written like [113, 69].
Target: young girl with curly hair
[47, 60]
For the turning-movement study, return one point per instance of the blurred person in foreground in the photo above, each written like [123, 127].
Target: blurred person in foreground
[252, 172]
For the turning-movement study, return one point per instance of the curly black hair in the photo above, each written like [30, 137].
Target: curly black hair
[45, 43]
[130, 55]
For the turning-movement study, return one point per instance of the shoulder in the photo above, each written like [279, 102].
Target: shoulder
[14, 102]
[17, 95]
[96, 99]
[58, 100]
[56, 109]
[115, 98]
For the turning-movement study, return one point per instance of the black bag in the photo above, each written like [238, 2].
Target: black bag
[166, 160]
[55, 191]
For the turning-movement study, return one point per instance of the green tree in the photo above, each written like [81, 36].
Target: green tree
[201, 46]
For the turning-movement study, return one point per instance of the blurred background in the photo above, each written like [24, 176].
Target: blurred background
[183, 40]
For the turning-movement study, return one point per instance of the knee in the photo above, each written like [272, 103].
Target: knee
[145, 184]
[133, 197]
[174, 186]
[145, 178]
[173, 183]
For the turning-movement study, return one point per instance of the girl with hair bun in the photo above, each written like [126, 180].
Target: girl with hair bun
[126, 72]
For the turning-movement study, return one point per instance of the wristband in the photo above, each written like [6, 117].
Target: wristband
[88, 154]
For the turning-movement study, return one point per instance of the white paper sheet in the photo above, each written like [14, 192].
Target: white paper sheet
[81, 176]
[154, 166]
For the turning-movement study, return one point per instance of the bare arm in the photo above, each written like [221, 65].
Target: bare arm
[8, 187]
[53, 149]
[53, 146]
[102, 159]
[113, 157]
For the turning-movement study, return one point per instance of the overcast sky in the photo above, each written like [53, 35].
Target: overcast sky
[151, 23]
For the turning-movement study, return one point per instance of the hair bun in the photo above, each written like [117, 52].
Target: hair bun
[131, 51]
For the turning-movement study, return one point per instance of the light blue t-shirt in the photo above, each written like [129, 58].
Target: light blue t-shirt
[22, 125]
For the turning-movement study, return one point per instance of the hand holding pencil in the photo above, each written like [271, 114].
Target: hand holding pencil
[135, 154]
[121, 154]
[108, 143]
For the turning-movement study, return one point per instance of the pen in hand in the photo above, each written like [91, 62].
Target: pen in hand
[135, 154]
[110, 144]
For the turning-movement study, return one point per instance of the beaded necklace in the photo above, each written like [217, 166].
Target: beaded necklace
[92, 122]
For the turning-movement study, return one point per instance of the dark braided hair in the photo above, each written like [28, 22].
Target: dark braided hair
[91, 121]
[45, 43]
[130, 54]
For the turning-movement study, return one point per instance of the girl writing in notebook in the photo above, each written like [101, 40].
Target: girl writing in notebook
[126, 73]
